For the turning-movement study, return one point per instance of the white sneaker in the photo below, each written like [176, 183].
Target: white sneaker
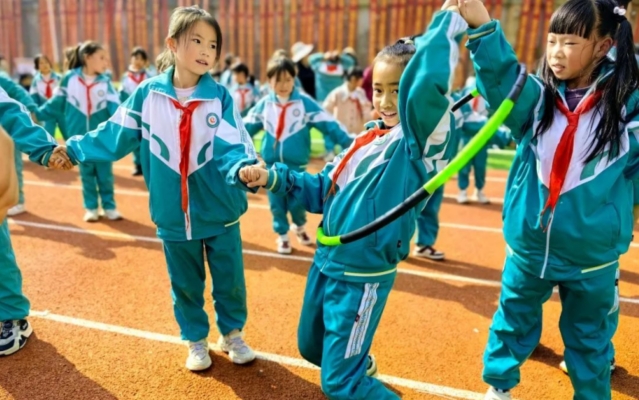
[284, 245]
[481, 197]
[302, 236]
[91, 216]
[14, 335]
[494, 394]
[462, 197]
[199, 358]
[233, 344]
[330, 156]
[428, 252]
[112, 215]
[371, 369]
[16, 210]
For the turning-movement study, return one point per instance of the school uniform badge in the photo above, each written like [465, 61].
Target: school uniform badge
[212, 120]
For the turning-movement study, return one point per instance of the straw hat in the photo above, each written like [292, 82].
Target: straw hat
[300, 50]
[350, 51]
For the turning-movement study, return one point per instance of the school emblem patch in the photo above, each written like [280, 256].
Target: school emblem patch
[212, 120]
[297, 112]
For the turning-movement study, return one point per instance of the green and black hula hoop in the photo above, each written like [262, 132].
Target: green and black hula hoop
[463, 157]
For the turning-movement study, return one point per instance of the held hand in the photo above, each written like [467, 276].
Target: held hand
[60, 159]
[254, 176]
[474, 12]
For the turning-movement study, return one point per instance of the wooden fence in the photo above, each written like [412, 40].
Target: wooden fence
[253, 29]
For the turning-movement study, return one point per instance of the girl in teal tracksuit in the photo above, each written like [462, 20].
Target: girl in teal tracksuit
[192, 145]
[45, 83]
[348, 286]
[131, 79]
[329, 69]
[17, 93]
[288, 116]
[569, 197]
[14, 306]
[85, 99]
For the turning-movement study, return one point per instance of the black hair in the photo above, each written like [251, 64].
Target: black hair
[251, 80]
[354, 72]
[277, 66]
[182, 21]
[36, 61]
[24, 76]
[240, 68]
[586, 18]
[139, 52]
[623, 3]
[81, 51]
[400, 52]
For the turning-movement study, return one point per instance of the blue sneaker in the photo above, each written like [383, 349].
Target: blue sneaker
[13, 336]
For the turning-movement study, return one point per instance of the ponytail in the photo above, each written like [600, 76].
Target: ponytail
[75, 60]
[165, 60]
[78, 55]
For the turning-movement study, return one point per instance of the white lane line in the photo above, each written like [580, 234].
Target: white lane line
[430, 275]
[138, 193]
[424, 387]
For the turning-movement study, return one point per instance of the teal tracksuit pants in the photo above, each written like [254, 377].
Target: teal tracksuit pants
[185, 261]
[136, 157]
[428, 219]
[281, 206]
[336, 329]
[97, 178]
[477, 163]
[13, 304]
[19, 167]
[589, 318]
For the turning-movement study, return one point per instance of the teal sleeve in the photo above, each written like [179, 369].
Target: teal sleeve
[254, 122]
[315, 60]
[302, 188]
[347, 62]
[28, 137]
[113, 139]
[233, 148]
[496, 67]
[319, 119]
[54, 108]
[636, 191]
[424, 89]
[17, 92]
[632, 167]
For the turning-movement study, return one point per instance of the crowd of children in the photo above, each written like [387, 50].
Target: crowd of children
[574, 124]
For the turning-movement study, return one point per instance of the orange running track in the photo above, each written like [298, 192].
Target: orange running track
[104, 325]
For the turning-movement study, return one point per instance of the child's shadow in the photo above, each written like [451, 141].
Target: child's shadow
[39, 372]
[264, 379]
[53, 176]
[91, 246]
[261, 380]
[622, 381]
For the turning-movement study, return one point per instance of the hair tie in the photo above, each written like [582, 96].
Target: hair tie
[619, 11]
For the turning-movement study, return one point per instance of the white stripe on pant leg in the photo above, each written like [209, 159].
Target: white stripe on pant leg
[358, 333]
[367, 320]
[351, 339]
[615, 306]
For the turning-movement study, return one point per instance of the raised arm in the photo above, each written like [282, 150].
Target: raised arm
[496, 67]
[424, 91]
